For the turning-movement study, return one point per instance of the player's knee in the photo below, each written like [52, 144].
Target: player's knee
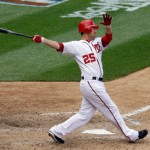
[85, 116]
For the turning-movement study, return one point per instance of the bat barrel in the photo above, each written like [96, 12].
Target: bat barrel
[2, 30]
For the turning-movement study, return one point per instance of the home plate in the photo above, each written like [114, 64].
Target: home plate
[98, 131]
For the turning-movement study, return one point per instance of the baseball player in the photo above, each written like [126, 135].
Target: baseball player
[87, 52]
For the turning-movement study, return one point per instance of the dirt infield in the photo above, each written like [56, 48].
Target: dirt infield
[29, 109]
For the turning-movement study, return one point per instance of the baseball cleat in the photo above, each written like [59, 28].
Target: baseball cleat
[56, 138]
[143, 133]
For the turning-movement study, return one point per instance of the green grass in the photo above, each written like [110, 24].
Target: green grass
[23, 60]
[127, 58]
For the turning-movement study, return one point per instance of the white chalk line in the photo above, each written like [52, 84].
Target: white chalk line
[125, 116]
[57, 113]
[135, 112]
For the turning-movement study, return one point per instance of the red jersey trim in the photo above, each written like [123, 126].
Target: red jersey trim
[61, 45]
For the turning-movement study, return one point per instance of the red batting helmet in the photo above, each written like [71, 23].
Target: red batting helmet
[85, 26]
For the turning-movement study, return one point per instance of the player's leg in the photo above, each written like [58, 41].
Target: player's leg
[81, 118]
[110, 111]
[100, 99]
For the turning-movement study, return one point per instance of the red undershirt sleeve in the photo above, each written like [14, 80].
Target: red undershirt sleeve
[106, 39]
[61, 47]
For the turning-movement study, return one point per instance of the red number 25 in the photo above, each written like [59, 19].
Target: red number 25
[89, 58]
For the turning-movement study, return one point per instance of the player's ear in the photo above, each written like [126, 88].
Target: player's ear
[81, 33]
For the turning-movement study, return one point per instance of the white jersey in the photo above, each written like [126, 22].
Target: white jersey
[88, 55]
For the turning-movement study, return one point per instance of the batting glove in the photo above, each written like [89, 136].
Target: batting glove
[38, 39]
[107, 20]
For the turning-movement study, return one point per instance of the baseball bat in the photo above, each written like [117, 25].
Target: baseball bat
[2, 30]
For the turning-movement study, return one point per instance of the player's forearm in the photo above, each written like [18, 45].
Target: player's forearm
[52, 44]
[106, 39]
[108, 29]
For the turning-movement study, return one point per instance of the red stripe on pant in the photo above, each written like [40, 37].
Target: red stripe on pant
[108, 109]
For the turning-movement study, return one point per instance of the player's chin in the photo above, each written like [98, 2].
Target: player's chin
[93, 37]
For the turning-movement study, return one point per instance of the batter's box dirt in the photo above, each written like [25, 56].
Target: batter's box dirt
[22, 127]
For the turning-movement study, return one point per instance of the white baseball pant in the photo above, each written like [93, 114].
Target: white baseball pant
[95, 97]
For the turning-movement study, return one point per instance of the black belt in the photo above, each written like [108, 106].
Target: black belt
[93, 78]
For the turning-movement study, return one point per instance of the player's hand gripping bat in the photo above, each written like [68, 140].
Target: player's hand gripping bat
[2, 30]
